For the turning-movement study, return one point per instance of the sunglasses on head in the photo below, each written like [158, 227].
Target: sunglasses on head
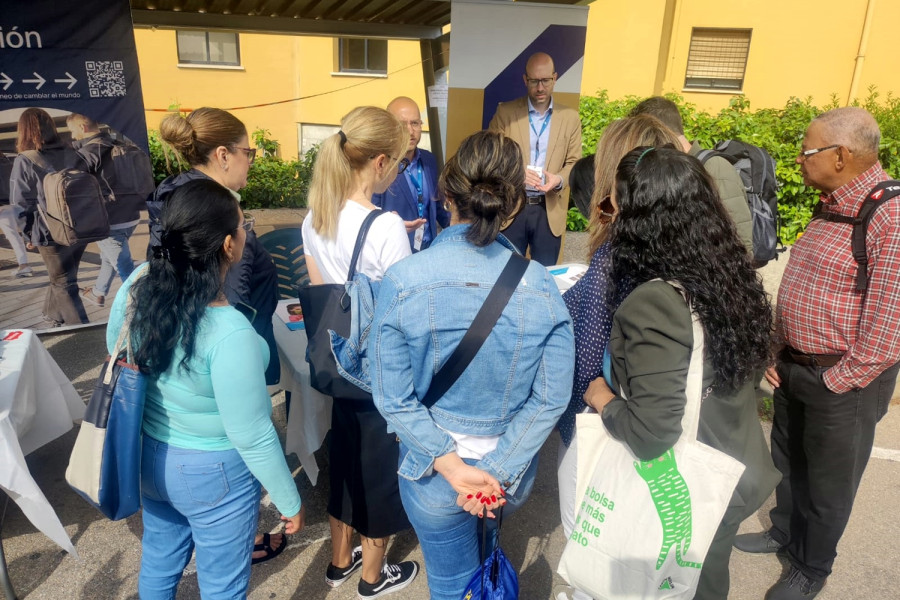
[606, 211]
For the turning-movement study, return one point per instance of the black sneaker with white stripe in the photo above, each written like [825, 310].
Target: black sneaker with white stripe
[335, 576]
[393, 578]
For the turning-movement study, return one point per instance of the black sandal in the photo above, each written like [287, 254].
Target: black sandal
[270, 551]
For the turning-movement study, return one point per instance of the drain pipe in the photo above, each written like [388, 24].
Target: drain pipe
[861, 54]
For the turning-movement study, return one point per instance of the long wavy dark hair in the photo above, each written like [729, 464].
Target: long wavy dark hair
[184, 275]
[672, 225]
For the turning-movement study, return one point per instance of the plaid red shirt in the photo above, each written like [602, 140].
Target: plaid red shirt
[819, 310]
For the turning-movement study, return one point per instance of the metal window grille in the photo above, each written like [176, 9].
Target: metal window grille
[208, 47]
[717, 58]
[363, 55]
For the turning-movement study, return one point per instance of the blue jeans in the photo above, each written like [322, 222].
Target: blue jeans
[450, 537]
[196, 498]
[115, 256]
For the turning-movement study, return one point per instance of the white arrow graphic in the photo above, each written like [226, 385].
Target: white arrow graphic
[71, 80]
[5, 80]
[39, 81]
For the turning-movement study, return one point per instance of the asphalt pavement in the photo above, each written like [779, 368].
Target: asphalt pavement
[109, 552]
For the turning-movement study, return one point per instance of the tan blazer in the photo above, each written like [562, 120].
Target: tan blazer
[563, 151]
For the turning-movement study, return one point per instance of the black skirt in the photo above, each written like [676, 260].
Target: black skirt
[363, 471]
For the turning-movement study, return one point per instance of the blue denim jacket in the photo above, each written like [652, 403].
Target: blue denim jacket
[516, 387]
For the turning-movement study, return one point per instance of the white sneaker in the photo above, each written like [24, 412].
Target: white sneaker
[24, 271]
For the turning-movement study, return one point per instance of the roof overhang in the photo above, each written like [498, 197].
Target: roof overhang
[396, 19]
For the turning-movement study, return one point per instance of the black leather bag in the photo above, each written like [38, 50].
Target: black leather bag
[327, 306]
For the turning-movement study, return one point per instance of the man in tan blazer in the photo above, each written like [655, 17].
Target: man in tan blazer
[550, 139]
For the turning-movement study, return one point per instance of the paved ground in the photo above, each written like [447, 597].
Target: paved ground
[109, 553]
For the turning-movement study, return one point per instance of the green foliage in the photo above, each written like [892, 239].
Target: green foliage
[780, 131]
[575, 221]
[164, 160]
[267, 145]
[765, 408]
[276, 183]
[271, 182]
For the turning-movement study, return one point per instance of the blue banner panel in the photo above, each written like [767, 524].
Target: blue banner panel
[565, 43]
[73, 56]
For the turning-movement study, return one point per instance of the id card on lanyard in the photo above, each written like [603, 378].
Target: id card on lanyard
[536, 165]
[418, 183]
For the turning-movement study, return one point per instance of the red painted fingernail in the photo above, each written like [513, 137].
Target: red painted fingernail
[493, 498]
[469, 497]
[478, 495]
[502, 493]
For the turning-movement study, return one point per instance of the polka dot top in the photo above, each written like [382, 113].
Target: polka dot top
[589, 304]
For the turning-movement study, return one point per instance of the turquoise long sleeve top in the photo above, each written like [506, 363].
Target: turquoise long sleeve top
[221, 403]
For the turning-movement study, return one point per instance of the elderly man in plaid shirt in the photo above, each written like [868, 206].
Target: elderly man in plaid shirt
[838, 353]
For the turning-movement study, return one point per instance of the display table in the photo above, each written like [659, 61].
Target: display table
[310, 416]
[37, 405]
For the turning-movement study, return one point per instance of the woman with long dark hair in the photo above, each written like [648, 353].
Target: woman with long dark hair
[594, 298]
[41, 152]
[671, 226]
[209, 441]
[477, 445]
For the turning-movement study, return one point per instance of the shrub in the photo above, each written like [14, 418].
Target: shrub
[780, 131]
[271, 182]
[575, 221]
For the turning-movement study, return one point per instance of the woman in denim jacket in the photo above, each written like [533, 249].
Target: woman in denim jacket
[476, 448]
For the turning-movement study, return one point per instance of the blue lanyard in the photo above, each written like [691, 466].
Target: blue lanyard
[537, 141]
[419, 183]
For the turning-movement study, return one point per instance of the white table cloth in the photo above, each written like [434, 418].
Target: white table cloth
[37, 405]
[310, 415]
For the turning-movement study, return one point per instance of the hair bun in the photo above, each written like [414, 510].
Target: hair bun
[487, 199]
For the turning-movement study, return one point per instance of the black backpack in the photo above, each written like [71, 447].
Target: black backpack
[880, 194]
[757, 170]
[126, 171]
[75, 208]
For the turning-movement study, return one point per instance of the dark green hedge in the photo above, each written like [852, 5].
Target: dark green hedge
[778, 130]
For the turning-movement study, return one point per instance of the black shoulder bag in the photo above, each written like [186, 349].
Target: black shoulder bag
[327, 306]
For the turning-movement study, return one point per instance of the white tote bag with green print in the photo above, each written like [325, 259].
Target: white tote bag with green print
[642, 528]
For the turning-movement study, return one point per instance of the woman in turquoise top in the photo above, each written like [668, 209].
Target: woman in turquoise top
[209, 441]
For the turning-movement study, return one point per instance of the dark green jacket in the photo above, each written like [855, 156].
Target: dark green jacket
[650, 346]
[732, 193]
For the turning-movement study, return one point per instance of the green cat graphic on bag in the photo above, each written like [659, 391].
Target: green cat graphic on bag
[672, 499]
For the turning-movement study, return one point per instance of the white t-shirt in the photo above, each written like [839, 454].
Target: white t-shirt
[386, 243]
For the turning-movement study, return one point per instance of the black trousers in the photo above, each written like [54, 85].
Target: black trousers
[821, 443]
[63, 300]
[530, 229]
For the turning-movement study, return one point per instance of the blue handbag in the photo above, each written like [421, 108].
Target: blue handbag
[497, 578]
[105, 465]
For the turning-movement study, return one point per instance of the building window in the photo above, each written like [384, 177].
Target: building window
[208, 48]
[362, 56]
[717, 59]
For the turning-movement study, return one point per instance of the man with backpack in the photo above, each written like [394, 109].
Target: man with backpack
[728, 182]
[126, 180]
[838, 348]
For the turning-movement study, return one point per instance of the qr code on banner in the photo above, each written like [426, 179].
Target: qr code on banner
[106, 78]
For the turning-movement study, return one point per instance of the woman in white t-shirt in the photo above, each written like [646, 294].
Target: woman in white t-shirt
[362, 159]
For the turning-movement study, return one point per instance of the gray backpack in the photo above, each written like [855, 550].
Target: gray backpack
[74, 210]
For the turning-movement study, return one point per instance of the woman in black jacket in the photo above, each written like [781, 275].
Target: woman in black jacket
[41, 152]
[671, 226]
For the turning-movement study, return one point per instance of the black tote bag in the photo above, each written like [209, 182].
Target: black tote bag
[327, 306]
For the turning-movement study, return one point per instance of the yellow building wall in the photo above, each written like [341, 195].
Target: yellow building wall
[798, 48]
[273, 68]
[622, 47]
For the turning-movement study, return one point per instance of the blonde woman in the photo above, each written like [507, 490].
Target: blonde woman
[362, 159]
